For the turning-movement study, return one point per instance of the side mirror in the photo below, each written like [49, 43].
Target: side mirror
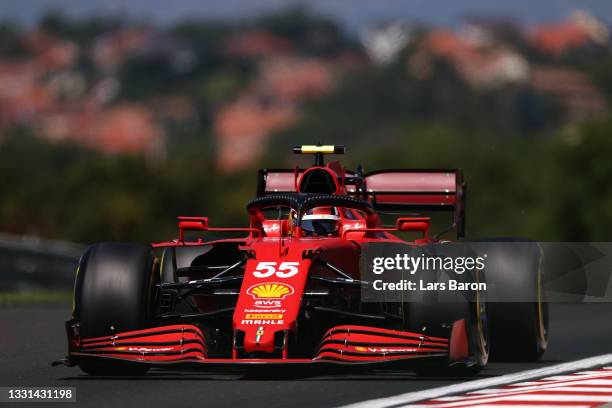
[191, 224]
[417, 224]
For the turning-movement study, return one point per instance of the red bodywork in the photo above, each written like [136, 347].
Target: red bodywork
[275, 284]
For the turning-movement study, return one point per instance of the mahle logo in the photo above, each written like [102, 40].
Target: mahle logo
[272, 290]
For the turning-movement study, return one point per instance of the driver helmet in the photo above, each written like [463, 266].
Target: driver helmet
[321, 221]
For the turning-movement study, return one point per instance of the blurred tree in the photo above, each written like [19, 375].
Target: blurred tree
[71, 193]
[376, 103]
[583, 202]
[313, 34]
[12, 45]
[81, 31]
[528, 173]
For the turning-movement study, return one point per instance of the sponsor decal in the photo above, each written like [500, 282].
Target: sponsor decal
[271, 227]
[264, 316]
[145, 349]
[258, 334]
[269, 322]
[272, 290]
[266, 311]
[267, 304]
[356, 225]
[386, 349]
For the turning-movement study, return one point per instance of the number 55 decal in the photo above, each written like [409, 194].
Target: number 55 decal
[267, 269]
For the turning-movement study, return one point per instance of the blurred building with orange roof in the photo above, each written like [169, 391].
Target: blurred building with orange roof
[579, 30]
[572, 88]
[51, 53]
[257, 44]
[481, 62]
[242, 128]
[125, 128]
[22, 97]
[270, 103]
[110, 50]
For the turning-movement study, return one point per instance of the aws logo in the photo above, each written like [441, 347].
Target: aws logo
[267, 304]
[272, 290]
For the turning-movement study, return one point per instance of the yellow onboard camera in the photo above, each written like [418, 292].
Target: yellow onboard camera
[318, 150]
[314, 149]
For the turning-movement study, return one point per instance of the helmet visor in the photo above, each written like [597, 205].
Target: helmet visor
[320, 224]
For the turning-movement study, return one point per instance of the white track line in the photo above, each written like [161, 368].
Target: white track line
[530, 406]
[577, 383]
[411, 397]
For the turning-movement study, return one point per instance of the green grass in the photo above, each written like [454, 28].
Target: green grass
[57, 297]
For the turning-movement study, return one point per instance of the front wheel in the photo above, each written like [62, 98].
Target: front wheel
[436, 317]
[114, 292]
[465, 323]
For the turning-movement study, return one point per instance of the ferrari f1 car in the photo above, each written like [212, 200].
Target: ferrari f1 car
[289, 289]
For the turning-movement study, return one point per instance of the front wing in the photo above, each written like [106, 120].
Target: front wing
[184, 346]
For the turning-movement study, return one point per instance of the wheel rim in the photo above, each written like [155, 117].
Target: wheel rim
[482, 326]
[541, 323]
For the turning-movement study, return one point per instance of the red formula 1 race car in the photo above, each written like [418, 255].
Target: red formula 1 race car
[290, 289]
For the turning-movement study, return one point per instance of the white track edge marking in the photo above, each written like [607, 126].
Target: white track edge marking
[414, 396]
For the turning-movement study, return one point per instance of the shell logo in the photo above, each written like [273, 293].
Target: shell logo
[271, 290]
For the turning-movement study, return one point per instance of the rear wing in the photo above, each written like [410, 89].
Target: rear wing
[270, 181]
[415, 190]
[401, 190]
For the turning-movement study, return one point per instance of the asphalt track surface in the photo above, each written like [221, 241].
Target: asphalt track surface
[32, 337]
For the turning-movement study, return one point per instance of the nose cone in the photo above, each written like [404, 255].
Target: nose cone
[270, 295]
[265, 308]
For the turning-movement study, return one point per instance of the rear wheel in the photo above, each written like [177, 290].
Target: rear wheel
[114, 292]
[522, 333]
[519, 314]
